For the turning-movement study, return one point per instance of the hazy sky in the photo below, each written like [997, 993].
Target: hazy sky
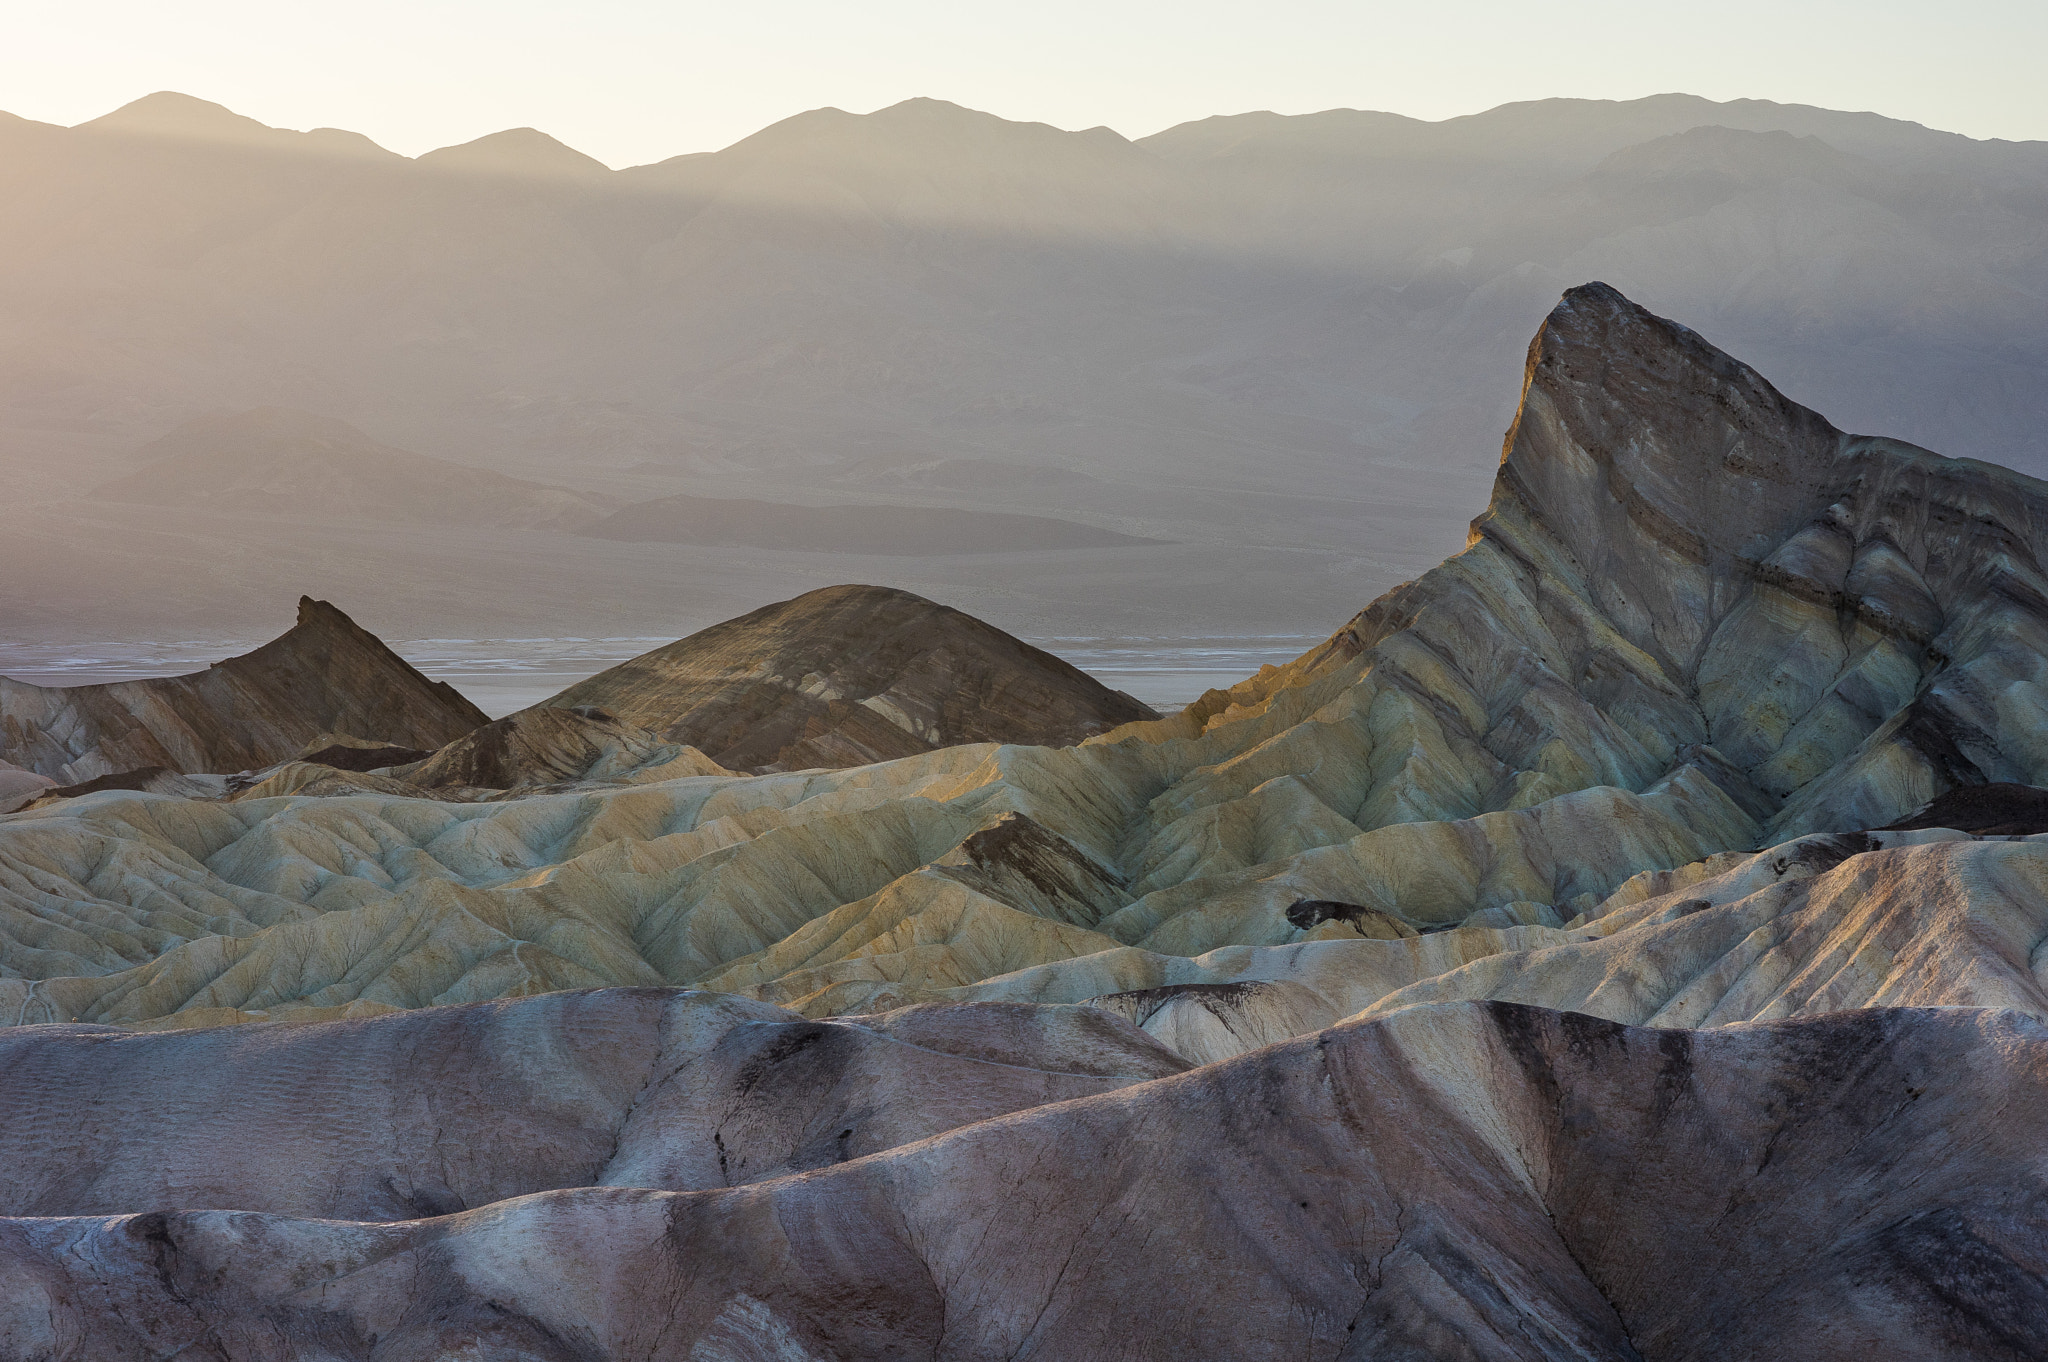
[630, 81]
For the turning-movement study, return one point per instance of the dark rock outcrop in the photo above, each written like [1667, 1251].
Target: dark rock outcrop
[2000, 809]
[344, 753]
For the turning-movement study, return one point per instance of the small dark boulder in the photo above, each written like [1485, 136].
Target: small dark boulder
[368, 757]
[138, 779]
[1307, 914]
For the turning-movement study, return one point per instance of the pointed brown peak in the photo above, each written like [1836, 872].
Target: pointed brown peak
[1633, 425]
[334, 676]
[326, 675]
[432, 710]
[326, 615]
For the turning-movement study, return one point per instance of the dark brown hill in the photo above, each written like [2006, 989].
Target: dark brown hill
[327, 674]
[852, 674]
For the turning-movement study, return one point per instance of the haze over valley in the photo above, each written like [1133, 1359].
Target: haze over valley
[240, 363]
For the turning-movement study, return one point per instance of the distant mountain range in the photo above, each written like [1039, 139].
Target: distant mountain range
[1169, 337]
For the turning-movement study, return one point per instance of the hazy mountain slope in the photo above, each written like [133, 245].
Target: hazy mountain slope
[1319, 307]
[910, 531]
[170, 117]
[517, 153]
[291, 464]
[1495, 1180]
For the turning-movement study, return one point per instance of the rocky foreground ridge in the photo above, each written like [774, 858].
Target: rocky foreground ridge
[645, 1174]
[1625, 941]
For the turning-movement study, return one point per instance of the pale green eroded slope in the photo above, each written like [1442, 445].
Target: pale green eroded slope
[128, 907]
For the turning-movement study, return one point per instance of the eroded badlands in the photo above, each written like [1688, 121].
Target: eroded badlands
[1569, 958]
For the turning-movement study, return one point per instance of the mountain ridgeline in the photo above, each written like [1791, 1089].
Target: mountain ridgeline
[1274, 342]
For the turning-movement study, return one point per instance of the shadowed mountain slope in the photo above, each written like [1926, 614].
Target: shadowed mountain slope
[852, 674]
[517, 153]
[326, 675]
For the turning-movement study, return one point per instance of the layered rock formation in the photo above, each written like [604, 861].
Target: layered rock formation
[849, 675]
[1483, 1181]
[1694, 622]
[325, 675]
